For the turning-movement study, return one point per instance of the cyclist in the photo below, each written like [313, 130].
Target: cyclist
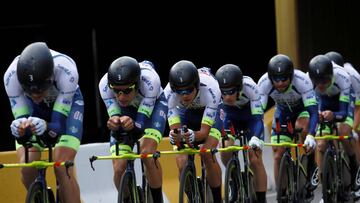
[136, 106]
[193, 97]
[335, 57]
[46, 101]
[242, 110]
[332, 86]
[295, 99]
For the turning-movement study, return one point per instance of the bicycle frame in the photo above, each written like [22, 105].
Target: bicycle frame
[39, 185]
[337, 155]
[245, 175]
[41, 178]
[296, 191]
[140, 196]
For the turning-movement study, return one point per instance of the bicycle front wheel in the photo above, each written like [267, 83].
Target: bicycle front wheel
[302, 178]
[234, 190]
[128, 191]
[188, 191]
[329, 178]
[36, 193]
[285, 183]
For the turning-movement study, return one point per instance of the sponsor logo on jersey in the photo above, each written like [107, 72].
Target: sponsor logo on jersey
[7, 80]
[79, 102]
[78, 116]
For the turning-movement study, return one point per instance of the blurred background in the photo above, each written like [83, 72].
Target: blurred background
[244, 34]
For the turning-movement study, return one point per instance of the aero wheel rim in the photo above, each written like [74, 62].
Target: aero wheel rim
[189, 189]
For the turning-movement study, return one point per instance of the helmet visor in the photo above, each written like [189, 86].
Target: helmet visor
[229, 91]
[185, 91]
[280, 78]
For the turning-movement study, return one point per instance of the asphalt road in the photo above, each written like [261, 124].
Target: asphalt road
[271, 196]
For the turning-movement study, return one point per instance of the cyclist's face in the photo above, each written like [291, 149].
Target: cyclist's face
[323, 86]
[229, 96]
[186, 95]
[281, 85]
[124, 94]
[38, 96]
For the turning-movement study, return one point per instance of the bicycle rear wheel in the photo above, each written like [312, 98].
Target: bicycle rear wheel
[234, 189]
[35, 193]
[285, 183]
[127, 190]
[329, 178]
[188, 191]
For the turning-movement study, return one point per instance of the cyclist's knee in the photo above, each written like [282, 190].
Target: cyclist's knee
[148, 150]
[208, 159]
[321, 146]
[28, 176]
[181, 162]
[255, 161]
[277, 156]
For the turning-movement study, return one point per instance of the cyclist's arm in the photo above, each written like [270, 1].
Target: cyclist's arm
[311, 105]
[251, 90]
[314, 118]
[264, 86]
[340, 116]
[57, 126]
[357, 119]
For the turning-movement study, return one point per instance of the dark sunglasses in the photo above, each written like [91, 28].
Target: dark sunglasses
[280, 78]
[185, 91]
[123, 91]
[229, 91]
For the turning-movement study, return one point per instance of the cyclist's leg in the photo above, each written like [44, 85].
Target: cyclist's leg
[153, 170]
[66, 149]
[345, 128]
[228, 114]
[155, 127]
[119, 165]
[255, 157]
[303, 123]
[226, 156]
[68, 187]
[278, 151]
[28, 174]
[213, 171]
[260, 177]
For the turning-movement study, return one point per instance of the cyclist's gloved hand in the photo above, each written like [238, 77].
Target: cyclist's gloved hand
[15, 126]
[172, 137]
[191, 136]
[38, 125]
[310, 142]
[255, 142]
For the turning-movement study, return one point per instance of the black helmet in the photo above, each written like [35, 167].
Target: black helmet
[320, 69]
[336, 57]
[280, 66]
[183, 74]
[35, 68]
[124, 71]
[229, 76]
